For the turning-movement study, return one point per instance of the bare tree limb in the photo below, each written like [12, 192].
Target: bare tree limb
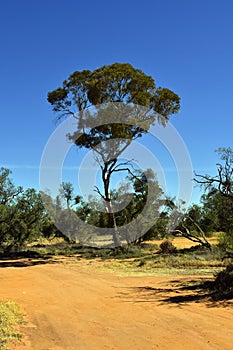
[96, 189]
[129, 171]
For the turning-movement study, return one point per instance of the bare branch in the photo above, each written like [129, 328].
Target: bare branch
[113, 161]
[125, 163]
[129, 171]
[96, 189]
[187, 234]
[222, 183]
[98, 161]
[199, 228]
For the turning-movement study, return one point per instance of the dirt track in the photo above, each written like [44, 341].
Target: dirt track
[71, 307]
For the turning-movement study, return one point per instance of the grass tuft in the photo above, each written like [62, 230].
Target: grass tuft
[10, 316]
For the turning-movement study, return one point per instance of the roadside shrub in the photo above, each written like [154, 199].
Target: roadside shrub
[142, 262]
[226, 240]
[167, 247]
[223, 283]
[124, 252]
[209, 234]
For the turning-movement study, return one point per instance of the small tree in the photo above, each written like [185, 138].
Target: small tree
[217, 212]
[8, 191]
[21, 214]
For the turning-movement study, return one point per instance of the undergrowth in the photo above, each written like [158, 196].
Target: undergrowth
[10, 316]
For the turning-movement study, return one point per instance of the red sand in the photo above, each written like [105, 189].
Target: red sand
[71, 306]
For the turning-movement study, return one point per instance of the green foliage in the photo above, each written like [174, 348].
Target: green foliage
[226, 240]
[217, 212]
[124, 252]
[93, 212]
[21, 214]
[194, 216]
[119, 82]
[114, 83]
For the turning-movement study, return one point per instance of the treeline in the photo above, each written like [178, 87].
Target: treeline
[23, 218]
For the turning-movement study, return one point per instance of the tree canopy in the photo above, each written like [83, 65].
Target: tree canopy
[119, 82]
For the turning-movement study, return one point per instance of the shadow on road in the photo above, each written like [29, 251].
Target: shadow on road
[25, 259]
[181, 293]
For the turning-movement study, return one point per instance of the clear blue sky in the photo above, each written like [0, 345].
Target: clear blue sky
[186, 46]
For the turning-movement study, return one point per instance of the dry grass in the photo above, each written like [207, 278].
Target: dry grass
[161, 265]
[181, 242]
[10, 316]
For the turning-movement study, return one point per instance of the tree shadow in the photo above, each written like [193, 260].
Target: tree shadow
[181, 293]
[25, 259]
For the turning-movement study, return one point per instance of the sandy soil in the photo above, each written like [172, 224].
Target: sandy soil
[72, 306]
[181, 242]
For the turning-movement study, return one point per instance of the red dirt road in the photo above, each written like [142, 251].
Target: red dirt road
[73, 306]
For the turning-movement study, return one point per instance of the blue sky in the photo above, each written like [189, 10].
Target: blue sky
[185, 45]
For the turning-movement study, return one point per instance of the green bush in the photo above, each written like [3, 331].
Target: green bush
[226, 240]
[223, 283]
[167, 247]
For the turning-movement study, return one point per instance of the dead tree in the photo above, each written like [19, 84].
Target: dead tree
[186, 233]
[223, 182]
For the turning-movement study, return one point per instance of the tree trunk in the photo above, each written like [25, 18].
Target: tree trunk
[107, 196]
[112, 223]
